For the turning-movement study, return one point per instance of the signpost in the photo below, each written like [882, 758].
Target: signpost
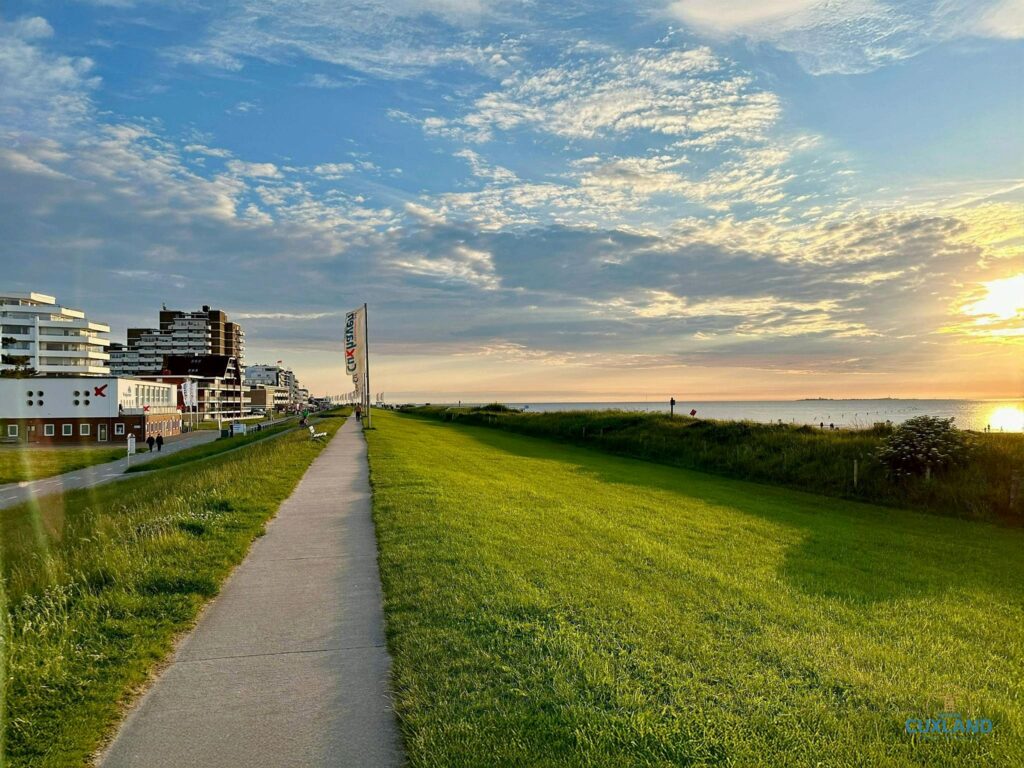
[131, 447]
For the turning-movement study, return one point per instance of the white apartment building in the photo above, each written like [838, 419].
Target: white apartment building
[275, 376]
[53, 340]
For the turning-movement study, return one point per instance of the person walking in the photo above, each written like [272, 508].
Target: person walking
[149, 442]
[359, 413]
[159, 443]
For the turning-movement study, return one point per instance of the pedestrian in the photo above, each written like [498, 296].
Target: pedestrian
[159, 443]
[359, 413]
[150, 441]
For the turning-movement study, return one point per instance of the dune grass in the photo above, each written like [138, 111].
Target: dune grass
[549, 605]
[26, 464]
[206, 450]
[98, 582]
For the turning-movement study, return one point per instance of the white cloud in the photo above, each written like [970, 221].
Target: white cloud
[461, 265]
[333, 171]
[484, 170]
[255, 170]
[852, 36]
[202, 149]
[1004, 20]
[666, 91]
[40, 92]
[385, 38]
[282, 315]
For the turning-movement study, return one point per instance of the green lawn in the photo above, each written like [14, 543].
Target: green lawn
[98, 582]
[552, 606]
[33, 463]
[210, 449]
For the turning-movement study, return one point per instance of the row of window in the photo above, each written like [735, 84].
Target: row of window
[66, 430]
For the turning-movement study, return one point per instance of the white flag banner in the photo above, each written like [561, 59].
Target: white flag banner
[355, 349]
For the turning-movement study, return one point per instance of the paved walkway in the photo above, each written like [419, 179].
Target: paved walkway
[97, 474]
[288, 665]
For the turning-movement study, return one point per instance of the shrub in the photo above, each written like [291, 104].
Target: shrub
[922, 446]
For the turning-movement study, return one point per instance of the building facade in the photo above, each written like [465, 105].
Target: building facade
[180, 334]
[41, 336]
[222, 393]
[276, 376]
[77, 410]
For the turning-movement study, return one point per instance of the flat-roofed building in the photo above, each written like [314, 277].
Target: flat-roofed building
[37, 334]
[179, 334]
[76, 410]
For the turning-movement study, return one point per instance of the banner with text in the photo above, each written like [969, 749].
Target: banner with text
[355, 349]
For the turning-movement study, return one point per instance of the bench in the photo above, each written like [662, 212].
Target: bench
[314, 435]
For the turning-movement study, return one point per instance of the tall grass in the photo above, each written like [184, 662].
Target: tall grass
[98, 582]
[988, 487]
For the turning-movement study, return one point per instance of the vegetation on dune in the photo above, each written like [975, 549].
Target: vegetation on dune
[552, 606]
[986, 482]
[19, 464]
[98, 582]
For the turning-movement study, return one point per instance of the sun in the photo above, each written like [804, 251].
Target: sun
[1008, 418]
[1004, 299]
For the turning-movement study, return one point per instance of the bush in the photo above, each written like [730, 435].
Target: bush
[923, 446]
[494, 408]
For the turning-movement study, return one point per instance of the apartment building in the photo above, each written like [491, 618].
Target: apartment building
[222, 394]
[38, 335]
[181, 334]
[276, 376]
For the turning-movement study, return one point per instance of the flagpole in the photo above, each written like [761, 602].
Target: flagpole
[366, 353]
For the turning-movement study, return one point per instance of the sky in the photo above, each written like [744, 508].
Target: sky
[539, 201]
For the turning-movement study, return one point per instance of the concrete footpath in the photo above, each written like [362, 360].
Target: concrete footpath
[288, 665]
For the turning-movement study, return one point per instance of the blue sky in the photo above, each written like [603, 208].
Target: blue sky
[574, 200]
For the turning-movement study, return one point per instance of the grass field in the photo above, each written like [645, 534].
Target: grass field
[207, 450]
[986, 487]
[98, 582]
[549, 605]
[17, 465]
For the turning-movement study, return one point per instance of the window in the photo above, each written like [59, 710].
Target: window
[119, 429]
[67, 430]
[12, 430]
[48, 430]
[84, 430]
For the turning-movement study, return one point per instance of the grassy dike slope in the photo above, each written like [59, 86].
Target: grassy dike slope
[550, 605]
[98, 583]
[17, 465]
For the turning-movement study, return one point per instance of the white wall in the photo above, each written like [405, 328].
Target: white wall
[97, 397]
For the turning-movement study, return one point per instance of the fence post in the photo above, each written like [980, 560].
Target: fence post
[855, 474]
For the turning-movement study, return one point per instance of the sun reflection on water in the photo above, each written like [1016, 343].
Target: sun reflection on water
[1007, 418]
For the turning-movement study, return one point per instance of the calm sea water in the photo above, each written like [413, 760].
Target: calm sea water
[1000, 415]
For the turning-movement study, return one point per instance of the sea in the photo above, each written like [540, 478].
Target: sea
[980, 415]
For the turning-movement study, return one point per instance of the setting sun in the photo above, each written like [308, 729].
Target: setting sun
[1007, 419]
[1004, 299]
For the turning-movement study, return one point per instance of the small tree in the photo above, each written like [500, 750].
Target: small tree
[922, 446]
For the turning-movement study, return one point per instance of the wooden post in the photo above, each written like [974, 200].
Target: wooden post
[855, 474]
